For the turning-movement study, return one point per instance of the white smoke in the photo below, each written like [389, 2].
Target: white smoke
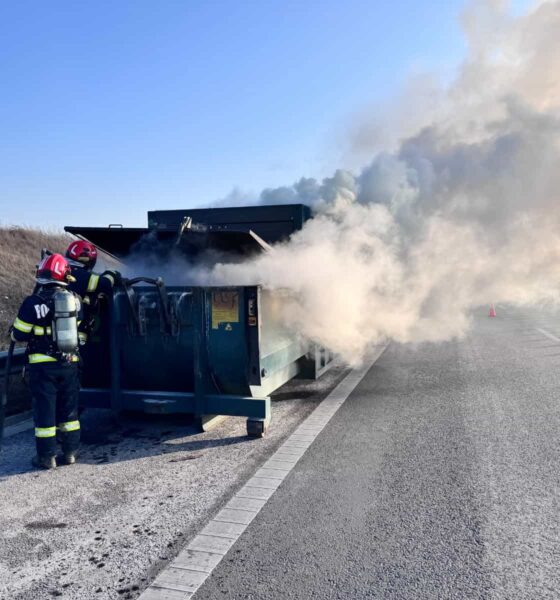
[464, 212]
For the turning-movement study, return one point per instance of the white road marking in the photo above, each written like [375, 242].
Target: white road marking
[181, 579]
[549, 335]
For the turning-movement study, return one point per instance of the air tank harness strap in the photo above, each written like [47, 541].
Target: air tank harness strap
[38, 330]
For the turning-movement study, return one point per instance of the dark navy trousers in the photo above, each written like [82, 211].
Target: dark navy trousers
[55, 391]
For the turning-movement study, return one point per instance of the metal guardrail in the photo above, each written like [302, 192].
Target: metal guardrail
[18, 361]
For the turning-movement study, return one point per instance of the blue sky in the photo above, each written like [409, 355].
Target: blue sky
[109, 109]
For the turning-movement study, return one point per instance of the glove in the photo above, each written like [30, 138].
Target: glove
[113, 276]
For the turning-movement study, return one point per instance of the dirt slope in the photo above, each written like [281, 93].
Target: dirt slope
[20, 251]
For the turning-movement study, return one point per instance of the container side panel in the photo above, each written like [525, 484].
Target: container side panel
[227, 340]
[153, 358]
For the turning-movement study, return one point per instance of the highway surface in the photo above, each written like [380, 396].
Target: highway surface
[438, 478]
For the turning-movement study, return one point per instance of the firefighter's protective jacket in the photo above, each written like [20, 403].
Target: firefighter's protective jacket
[89, 286]
[34, 325]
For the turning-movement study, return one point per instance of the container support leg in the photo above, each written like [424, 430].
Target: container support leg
[200, 361]
[116, 400]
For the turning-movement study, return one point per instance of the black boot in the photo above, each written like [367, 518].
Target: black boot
[44, 462]
[69, 458]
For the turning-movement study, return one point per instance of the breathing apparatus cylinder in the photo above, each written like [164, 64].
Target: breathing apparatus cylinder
[65, 321]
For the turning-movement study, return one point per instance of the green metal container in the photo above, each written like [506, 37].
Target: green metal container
[200, 350]
[206, 351]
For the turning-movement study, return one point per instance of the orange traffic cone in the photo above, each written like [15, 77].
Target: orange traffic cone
[492, 312]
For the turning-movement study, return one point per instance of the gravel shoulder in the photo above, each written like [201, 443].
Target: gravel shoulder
[105, 527]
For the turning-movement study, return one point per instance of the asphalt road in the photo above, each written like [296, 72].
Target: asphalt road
[438, 478]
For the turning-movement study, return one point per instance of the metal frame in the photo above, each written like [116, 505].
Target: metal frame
[158, 402]
[18, 361]
[323, 360]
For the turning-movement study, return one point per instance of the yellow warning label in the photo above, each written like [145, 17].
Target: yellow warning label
[225, 308]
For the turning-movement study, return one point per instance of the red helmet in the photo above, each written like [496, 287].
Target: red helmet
[83, 252]
[54, 269]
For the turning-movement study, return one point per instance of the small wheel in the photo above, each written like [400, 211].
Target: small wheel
[256, 428]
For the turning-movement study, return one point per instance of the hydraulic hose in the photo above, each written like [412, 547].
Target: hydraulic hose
[5, 390]
[128, 283]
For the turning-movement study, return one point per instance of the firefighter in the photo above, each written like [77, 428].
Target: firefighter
[82, 256]
[48, 321]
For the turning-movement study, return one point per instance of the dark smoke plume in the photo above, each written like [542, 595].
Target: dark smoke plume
[463, 211]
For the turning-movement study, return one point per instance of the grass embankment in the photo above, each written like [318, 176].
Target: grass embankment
[20, 251]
